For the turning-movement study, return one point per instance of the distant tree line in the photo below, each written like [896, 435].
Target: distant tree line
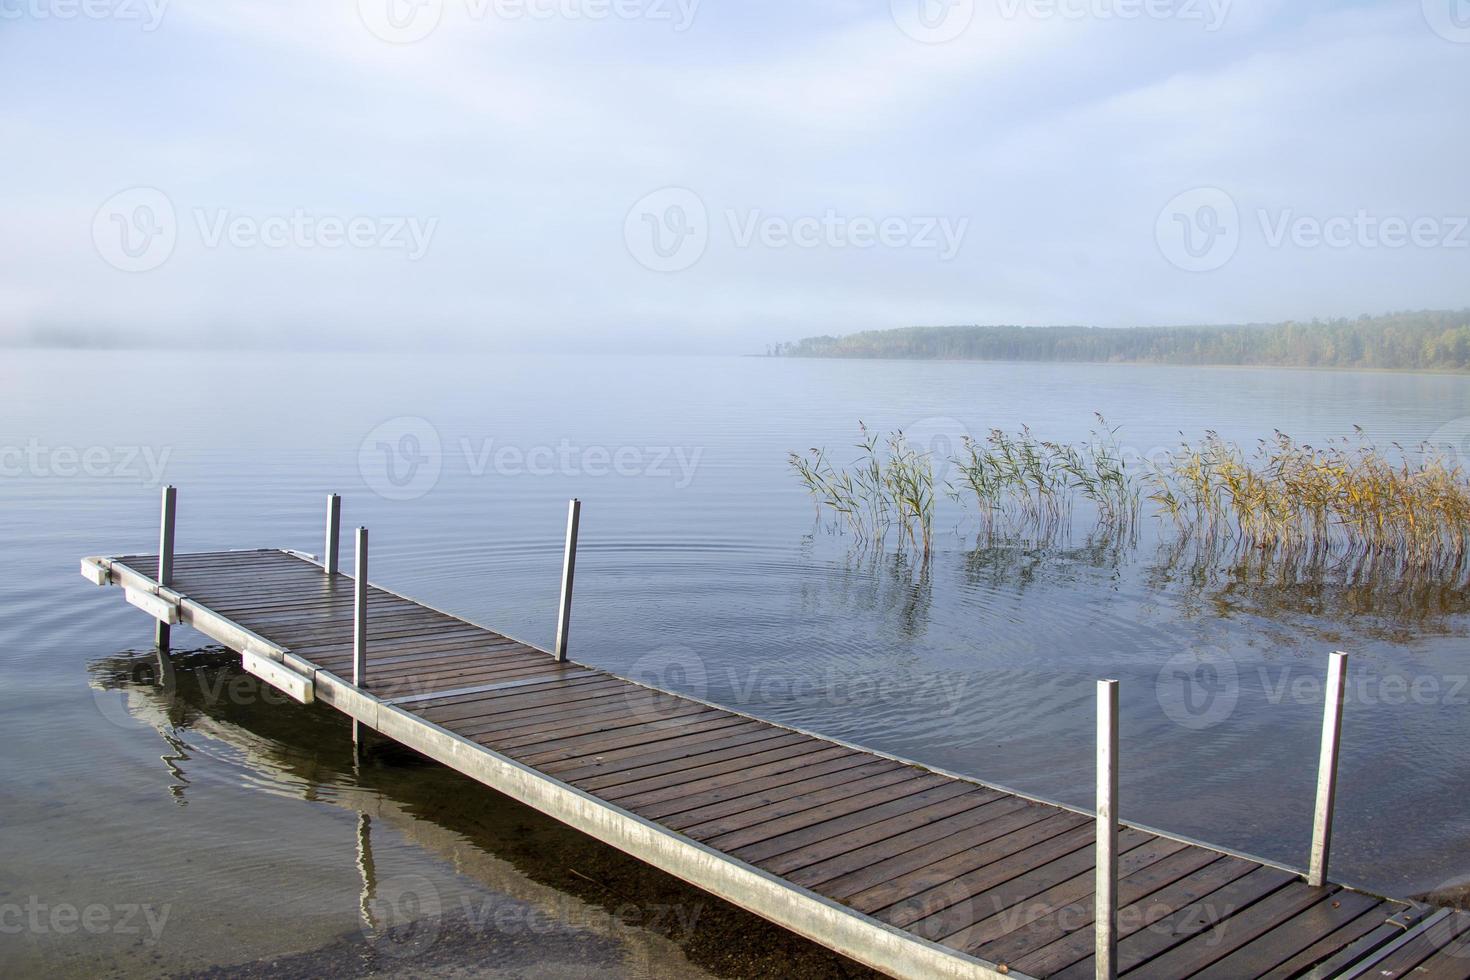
[1429, 339]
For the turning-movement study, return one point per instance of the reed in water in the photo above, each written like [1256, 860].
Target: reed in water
[1347, 500]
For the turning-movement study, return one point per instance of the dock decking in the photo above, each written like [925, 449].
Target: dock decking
[912, 872]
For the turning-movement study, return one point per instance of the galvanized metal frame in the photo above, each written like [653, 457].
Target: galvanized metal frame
[332, 546]
[568, 572]
[166, 522]
[1327, 770]
[1105, 904]
[360, 611]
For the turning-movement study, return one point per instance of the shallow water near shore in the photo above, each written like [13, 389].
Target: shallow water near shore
[703, 568]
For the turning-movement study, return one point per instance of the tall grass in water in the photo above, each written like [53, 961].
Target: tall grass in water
[1030, 483]
[888, 486]
[1347, 502]
[1348, 499]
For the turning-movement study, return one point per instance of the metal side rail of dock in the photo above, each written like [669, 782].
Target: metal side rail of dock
[913, 872]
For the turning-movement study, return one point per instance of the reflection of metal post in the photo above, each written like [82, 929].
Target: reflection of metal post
[365, 870]
[334, 527]
[1327, 770]
[1105, 905]
[166, 556]
[568, 570]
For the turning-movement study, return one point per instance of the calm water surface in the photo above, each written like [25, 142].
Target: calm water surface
[703, 568]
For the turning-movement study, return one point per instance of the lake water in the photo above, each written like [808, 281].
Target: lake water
[244, 824]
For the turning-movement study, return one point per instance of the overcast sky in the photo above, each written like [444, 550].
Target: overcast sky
[715, 175]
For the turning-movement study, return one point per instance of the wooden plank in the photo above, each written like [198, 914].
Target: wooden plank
[806, 807]
[502, 721]
[381, 628]
[470, 667]
[615, 704]
[742, 784]
[1306, 929]
[515, 679]
[1075, 916]
[1234, 931]
[768, 743]
[437, 669]
[849, 850]
[1364, 934]
[1187, 909]
[864, 860]
[1440, 951]
[581, 738]
[576, 735]
[694, 746]
[639, 736]
[1038, 893]
[906, 894]
[727, 833]
[433, 664]
[454, 708]
[844, 773]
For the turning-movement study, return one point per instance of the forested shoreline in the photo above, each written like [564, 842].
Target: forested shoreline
[1425, 340]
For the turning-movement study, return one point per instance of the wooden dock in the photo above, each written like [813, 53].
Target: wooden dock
[913, 872]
